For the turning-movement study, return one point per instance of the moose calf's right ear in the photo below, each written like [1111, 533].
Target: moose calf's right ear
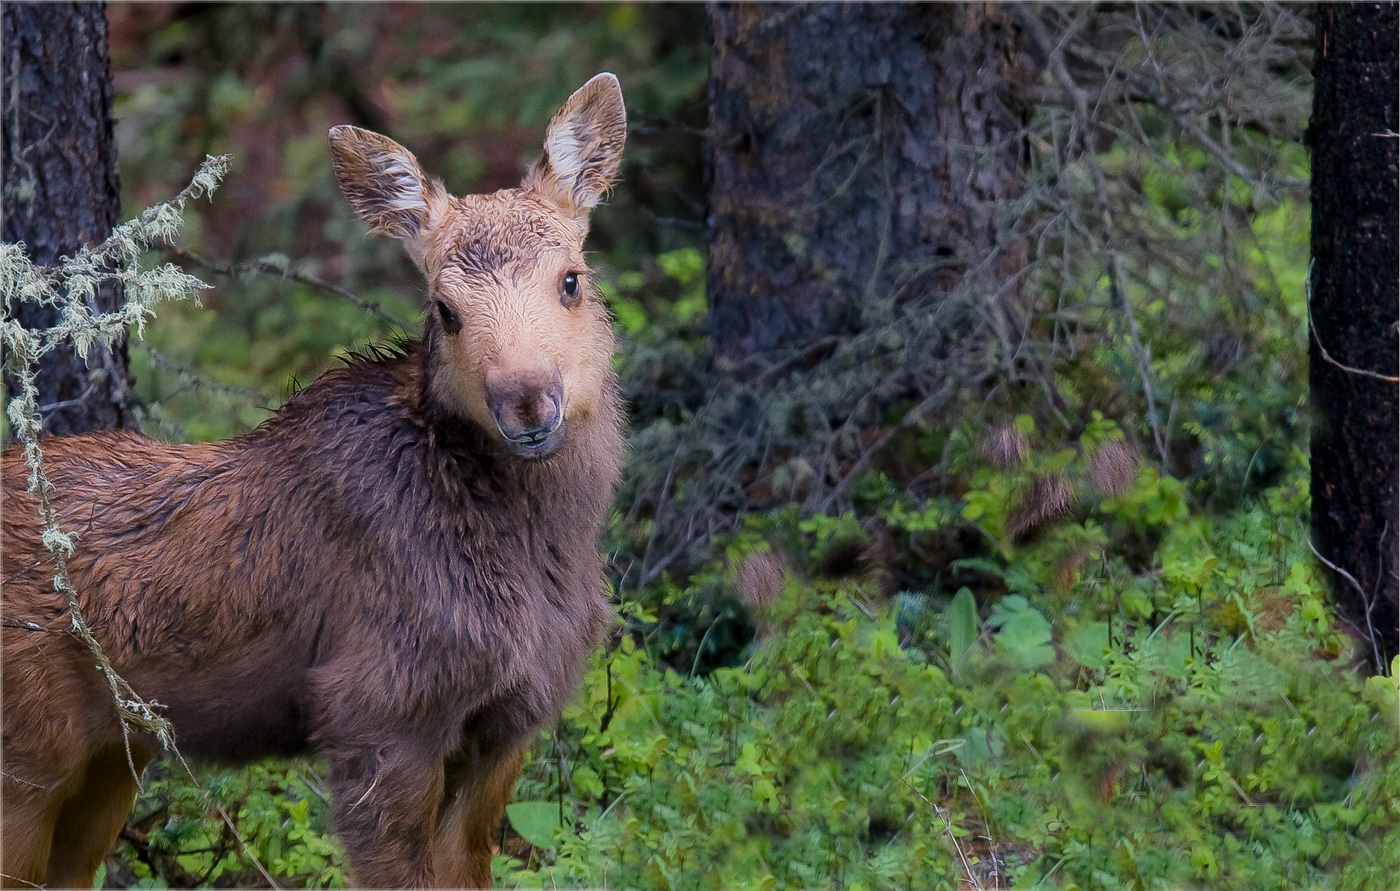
[385, 184]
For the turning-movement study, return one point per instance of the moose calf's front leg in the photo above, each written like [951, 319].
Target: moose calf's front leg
[386, 799]
[477, 789]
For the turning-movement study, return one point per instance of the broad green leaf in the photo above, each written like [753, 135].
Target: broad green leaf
[1088, 644]
[1024, 634]
[962, 627]
[975, 751]
[535, 821]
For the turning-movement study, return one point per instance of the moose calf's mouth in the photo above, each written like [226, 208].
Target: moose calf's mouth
[536, 450]
[534, 444]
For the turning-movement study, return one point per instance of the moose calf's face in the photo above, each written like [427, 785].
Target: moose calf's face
[518, 338]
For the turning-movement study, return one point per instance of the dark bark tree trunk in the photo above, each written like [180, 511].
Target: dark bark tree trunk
[61, 190]
[1354, 312]
[859, 154]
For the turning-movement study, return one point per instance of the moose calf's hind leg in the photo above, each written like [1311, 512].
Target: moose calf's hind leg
[62, 755]
[28, 833]
[88, 824]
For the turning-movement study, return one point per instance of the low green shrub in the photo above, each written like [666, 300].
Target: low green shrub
[1195, 721]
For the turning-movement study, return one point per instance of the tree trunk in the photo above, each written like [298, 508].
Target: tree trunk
[61, 190]
[859, 155]
[1354, 314]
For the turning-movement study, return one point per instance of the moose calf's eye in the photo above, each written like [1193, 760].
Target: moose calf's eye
[570, 289]
[450, 323]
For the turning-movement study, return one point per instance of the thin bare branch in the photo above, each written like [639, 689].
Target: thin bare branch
[266, 267]
[1079, 97]
[1366, 601]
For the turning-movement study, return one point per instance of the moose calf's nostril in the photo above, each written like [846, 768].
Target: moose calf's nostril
[530, 418]
[551, 415]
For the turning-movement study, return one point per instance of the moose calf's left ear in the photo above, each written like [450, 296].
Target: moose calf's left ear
[582, 148]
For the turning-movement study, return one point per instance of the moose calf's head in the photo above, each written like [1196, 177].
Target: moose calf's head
[517, 339]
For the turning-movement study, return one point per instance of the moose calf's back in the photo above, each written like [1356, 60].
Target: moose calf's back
[399, 570]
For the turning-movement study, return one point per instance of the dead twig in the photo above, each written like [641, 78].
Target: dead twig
[942, 814]
[1079, 98]
[1366, 602]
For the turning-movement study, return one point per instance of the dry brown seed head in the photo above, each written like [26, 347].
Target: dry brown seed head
[1069, 568]
[1044, 500]
[1113, 467]
[1003, 446]
[759, 579]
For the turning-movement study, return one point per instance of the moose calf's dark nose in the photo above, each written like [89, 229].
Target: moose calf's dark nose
[527, 414]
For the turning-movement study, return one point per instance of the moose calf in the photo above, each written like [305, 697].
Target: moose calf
[398, 571]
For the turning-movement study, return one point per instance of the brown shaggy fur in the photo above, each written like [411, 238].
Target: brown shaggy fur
[376, 574]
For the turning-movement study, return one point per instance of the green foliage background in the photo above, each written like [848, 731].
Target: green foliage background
[1148, 691]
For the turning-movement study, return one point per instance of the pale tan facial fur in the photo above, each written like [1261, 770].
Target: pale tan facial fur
[520, 341]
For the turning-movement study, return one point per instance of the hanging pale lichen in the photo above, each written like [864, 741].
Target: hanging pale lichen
[69, 286]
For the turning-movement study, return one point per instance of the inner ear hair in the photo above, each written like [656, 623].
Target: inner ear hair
[582, 148]
[383, 182]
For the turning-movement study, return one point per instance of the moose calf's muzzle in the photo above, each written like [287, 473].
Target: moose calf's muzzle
[529, 416]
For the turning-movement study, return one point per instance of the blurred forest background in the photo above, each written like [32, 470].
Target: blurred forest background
[964, 539]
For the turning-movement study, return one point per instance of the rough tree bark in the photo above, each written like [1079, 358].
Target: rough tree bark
[61, 190]
[859, 153]
[1356, 515]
